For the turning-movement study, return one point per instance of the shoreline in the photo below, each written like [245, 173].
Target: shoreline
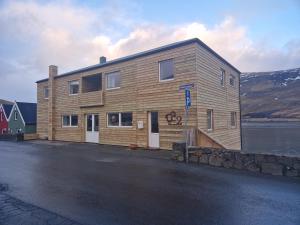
[270, 120]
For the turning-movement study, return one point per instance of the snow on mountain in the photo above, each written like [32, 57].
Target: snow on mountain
[274, 94]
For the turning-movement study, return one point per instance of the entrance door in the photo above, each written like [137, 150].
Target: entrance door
[153, 129]
[92, 128]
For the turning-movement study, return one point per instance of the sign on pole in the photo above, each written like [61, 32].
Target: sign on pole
[186, 86]
[188, 103]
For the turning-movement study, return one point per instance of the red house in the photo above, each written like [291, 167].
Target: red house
[5, 110]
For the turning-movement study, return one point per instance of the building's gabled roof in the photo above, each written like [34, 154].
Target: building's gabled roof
[7, 109]
[146, 53]
[2, 101]
[27, 111]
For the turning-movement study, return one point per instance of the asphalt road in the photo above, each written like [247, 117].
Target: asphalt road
[98, 184]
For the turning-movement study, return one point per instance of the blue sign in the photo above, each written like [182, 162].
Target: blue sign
[188, 101]
[186, 86]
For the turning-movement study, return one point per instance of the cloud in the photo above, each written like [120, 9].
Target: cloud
[35, 35]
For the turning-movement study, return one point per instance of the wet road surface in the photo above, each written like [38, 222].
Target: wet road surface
[99, 184]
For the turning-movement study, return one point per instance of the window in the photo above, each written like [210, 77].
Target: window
[126, 119]
[73, 87]
[232, 80]
[70, 120]
[113, 80]
[119, 119]
[210, 119]
[113, 119]
[16, 115]
[1, 116]
[154, 122]
[233, 119]
[96, 121]
[74, 121]
[46, 92]
[222, 78]
[166, 70]
[91, 83]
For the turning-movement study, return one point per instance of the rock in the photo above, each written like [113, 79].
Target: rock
[292, 172]
[253, 167]
[193, 159]
[228, 164]
[203, 159]
[272, 168]
[180, 158]
[271, 158]
[296, 165]
[178, 146]
[287, 161]
[206, 150]
[215, 160]
[259, 158]
[228, 156]
[238, 164]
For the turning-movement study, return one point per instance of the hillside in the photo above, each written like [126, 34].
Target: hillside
[271, 94]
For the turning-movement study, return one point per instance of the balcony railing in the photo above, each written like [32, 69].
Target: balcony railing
[90, 99]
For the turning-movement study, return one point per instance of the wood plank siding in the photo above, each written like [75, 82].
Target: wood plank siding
[141, 92]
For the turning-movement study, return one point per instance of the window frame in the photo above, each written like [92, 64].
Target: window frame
[211, 120]
[222, 78]
[84, 80]
[120, 120]
[107, 119]
[70, 120]
[46, 88]
[235, 119]
[231, 76]
[159, 77]
[106, 80]
[69, 87]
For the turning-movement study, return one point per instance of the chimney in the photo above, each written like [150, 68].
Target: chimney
[52, 71]
[102, 59]
[51, 96]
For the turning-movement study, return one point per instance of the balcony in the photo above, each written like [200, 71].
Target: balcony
[91, 99]
[91, 92]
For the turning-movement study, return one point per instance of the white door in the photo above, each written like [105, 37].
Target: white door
[153, 129]
[92, 128]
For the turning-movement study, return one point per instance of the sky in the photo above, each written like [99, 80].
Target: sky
[256, 35]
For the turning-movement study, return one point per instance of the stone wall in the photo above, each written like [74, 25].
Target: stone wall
[261, 163]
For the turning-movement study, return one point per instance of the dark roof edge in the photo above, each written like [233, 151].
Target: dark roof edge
[146, 53]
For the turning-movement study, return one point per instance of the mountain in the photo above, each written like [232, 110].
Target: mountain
[271, 94]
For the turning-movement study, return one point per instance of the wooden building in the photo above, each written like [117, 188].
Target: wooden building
[5, 110]
[22, 118]
[135, 100]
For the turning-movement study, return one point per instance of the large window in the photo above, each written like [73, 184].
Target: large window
[91, 83]
[210, 119]
[233, 119]
[166, 70]
[73, 87]
[70, 120]
[119, 119]
[222, 78]
[232, 80]
[113, 80]
[46, 92]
